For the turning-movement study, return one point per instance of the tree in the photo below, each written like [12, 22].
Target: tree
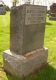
[7, 8]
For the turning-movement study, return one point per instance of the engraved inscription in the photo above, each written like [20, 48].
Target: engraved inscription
[35, 14]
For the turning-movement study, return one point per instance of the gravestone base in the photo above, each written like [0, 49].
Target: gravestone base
[52, 18]
[23, 65]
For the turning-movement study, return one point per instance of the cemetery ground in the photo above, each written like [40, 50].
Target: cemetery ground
[49, 71]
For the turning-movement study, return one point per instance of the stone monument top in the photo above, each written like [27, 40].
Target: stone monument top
[27, 1]
[52, 14]
[27, 28]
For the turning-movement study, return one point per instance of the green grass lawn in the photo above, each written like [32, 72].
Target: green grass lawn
[49, 71]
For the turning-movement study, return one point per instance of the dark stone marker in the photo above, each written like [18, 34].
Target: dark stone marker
[27, 28]
[52, 14]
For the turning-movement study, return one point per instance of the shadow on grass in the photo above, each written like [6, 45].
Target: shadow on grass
[47, 73]
[48, 23]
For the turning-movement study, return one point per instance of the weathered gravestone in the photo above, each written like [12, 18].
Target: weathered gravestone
[52, 14]
[27, 52]
[2, 8]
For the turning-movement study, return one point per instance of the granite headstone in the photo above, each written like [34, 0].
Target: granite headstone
[27, 30]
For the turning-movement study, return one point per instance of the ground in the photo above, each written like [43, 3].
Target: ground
[49, 71]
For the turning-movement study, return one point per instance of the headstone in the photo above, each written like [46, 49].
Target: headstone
[2, 8]
[52, 14]
[27, 29]
[27, 1]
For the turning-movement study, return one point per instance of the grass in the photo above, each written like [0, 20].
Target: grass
[48, 72]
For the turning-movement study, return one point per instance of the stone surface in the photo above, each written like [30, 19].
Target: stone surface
[27, 28]
[52, 13]
[19, 65]
[2, 9]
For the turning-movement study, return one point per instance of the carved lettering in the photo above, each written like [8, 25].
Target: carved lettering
[35, 15]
